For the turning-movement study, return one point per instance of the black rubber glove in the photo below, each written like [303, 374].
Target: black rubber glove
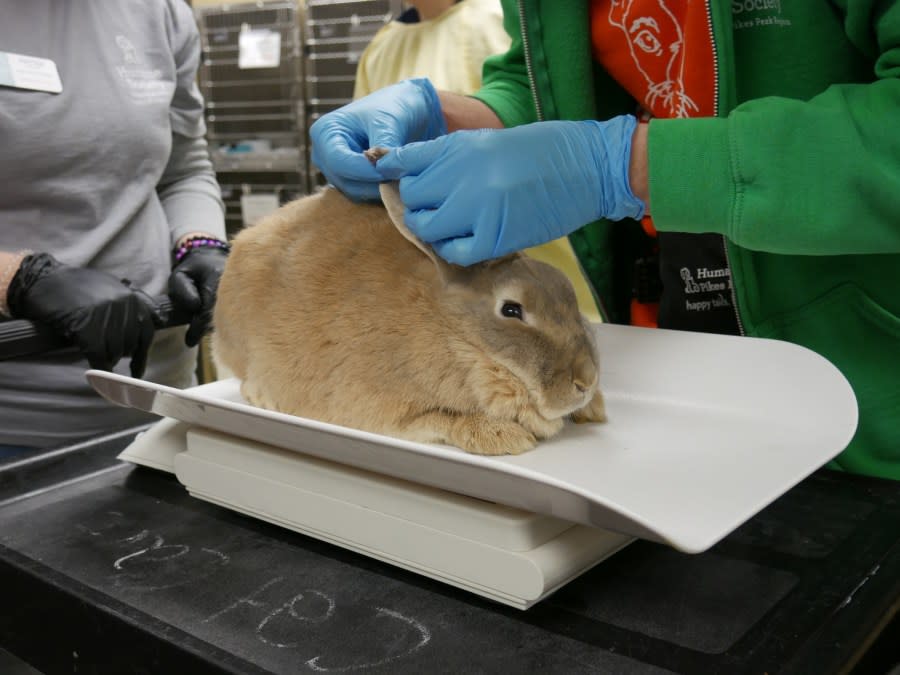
[107, 318]
[192, 288]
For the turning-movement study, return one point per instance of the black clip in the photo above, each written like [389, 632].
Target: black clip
[646, 284]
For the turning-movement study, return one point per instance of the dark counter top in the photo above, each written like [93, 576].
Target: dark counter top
[109, 568]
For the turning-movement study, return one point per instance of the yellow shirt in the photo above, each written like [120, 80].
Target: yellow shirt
[561, 255]
[449, 50]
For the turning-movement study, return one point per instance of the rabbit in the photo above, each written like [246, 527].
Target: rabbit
[333, 310]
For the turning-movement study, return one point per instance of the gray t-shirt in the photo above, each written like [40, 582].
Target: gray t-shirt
[107, 174]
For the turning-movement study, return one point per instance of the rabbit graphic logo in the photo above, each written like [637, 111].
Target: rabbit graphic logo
[129, 53]
[656, 42]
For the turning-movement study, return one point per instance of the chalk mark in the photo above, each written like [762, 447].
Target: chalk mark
[425, 638]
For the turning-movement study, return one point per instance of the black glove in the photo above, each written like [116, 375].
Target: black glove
[107, 318]
[192, 288]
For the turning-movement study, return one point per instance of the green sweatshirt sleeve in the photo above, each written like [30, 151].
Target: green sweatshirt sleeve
[815, 177]
[505, 87]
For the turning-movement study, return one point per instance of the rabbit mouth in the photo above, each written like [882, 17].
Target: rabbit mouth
[562, 408]
[586, 397]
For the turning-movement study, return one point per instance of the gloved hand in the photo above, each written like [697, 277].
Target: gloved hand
[476, 195]
[192, 287]
[401, 113]
[107, 318]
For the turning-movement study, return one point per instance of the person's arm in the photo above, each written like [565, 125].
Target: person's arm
[10, 261]
[412, 111]
[638, 167]
[189, 193]
[480, 194]
[188, 190]
[466, 112]
[505, 86]
[104, 316]
[816, 177]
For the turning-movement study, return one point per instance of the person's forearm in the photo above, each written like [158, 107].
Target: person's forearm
[638, 168]
[189, 193]
[465, 112]
[9, 265]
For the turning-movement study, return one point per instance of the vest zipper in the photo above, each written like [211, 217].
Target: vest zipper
[529, 66]
[712, 41]
[539, 111]
[716, 94]
[734, 305]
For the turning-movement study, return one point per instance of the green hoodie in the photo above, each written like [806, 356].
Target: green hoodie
[799, 171]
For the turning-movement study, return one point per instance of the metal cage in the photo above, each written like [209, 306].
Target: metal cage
[337, 32]
[258, 118]
[255, 117]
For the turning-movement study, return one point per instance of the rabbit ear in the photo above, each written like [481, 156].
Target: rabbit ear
[390, 195]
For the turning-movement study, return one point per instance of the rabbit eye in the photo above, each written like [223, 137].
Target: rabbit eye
[512, 310]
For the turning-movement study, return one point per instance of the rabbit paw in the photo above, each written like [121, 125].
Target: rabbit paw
[248, 392]
[539, 425]
[256, 395]
[482, 435]
[507, 398]
[594, 411]
[476, 433]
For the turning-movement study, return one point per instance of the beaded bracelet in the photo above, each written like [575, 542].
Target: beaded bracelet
[192, 243]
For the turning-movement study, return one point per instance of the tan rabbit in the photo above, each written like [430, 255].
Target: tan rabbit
[326, 312]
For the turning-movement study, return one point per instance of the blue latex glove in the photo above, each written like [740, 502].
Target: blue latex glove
[476, 195]
[390, 117]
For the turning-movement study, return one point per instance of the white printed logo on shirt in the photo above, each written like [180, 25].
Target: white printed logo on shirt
[144, 83]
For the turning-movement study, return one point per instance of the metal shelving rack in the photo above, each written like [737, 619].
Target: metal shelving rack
[255, 117]
[321, 42]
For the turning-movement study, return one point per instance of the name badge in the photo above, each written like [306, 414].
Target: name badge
[29, 72]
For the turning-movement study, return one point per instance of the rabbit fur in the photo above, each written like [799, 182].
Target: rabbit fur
[332, 310]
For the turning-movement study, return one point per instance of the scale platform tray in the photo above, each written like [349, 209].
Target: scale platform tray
[704, 431]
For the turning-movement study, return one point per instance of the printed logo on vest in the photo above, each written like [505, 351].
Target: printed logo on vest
[758, 13]
[656, 42]
[708, 282]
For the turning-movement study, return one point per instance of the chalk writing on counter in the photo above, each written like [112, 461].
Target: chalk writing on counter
[278, 614]
[316, 607]
[149, 562]
[159, 565]
[424, 636]
[291, 608]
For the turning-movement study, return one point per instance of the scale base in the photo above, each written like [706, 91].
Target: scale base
[510, 556]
